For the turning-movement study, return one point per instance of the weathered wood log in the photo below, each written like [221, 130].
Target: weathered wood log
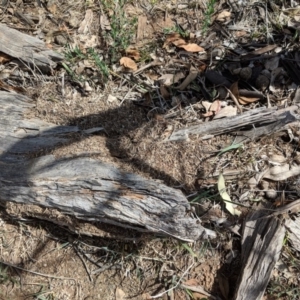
[21, 137]
[30, 51]
[249, 125]
[81, 186]
[293, 228]
[261, 247]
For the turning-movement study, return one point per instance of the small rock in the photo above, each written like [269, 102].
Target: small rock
[60, 40]
[223, 93]
[74, 20]
[246, 73]
[87, 87]
[112, 98]
[262, 82]
[236, 71]
[252, 183]
[218, 53]
[271, 194]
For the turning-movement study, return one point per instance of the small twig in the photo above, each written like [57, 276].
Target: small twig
[269, 102]
[154, 108]
[22, 28]
[175, 286]
[160, 98]
[63, 84]
[128, 80]
[291, 208]
[198, 289]
[235, 100]
[37, 273]
[267, 24]
[128, 92]
[84, 264]
[100, 270]
[152, 64]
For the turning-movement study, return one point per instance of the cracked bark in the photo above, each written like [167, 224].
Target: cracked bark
[81, 186]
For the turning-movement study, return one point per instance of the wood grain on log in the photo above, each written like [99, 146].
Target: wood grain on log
[249, 125]
[261, 247]
[83, 187]
[20, 136]
[293, 227]
[27, 49]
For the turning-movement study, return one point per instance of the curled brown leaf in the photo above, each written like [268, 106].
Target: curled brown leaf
[133, 53]
[128, 63]
[192, 48]
[245, 100]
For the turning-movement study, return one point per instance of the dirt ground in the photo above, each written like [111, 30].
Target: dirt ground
[43, 260]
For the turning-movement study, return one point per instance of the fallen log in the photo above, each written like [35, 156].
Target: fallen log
[80, 186]
[30, 51]
[248, 126]
[261, 247]
[293, 228]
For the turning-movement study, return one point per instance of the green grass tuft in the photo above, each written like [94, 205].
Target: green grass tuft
[210, 10]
